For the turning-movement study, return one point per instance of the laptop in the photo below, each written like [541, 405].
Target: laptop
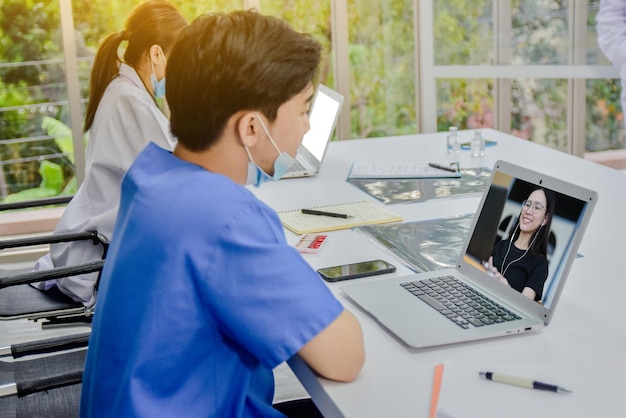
[323, 118]
[400, 305]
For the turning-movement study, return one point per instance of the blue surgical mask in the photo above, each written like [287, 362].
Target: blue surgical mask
[158, 86]
[256, 176]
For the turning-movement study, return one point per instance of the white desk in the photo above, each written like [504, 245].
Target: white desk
[588, 328]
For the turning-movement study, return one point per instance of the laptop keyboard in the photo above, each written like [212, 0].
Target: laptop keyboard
[458, 302]
[296, 166]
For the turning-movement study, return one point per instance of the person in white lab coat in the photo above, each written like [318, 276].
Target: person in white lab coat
[122, 117]
[611, 27]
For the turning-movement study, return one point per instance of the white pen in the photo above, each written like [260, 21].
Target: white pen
[522, 382]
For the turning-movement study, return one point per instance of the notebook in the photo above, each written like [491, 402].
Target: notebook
[399, 170]
[413, 319]
[360, 213]
[323, 118]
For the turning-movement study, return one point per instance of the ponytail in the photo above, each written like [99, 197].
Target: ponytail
[150, 22]
[105, 68]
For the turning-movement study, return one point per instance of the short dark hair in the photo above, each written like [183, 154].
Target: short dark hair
[226, 63]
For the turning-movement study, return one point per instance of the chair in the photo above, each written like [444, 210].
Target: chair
[48, 386]
[58, 402]
[49, 345]
[20, 300]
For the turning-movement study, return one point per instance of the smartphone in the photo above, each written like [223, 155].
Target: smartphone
[356, 270]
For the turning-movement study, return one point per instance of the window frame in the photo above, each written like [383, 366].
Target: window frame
[426, 74]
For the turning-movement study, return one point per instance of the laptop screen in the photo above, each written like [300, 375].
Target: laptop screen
[525, 225]
[323, 116]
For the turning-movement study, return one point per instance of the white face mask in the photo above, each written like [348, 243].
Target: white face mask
[256, 175]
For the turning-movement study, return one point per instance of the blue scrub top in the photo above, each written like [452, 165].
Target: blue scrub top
[200, 297]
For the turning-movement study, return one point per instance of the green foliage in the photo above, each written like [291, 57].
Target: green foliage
[312, 20]
[464, 34]
[465, 103]
[605, 116]
[30, 32]
[382, 68]
[51, 184]
[193, 9]
[62, 135]
[15, 124]
[461, 34]
[53, 176]
[95, 19]
[540, 37]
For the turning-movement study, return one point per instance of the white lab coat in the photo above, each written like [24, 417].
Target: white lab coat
[611, 24]
[126, 120]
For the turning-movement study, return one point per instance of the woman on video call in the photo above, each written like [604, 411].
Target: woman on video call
[521, 261]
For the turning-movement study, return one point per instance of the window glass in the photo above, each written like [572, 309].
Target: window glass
[36, 149]
[313, 20]
[95, 19]
[35, 144]
[382, 67]
[463, 35]
[381, 51]
[536, 34]
[466, 104]
[539, 111]
[540, 32]
[592, 49]
[604, 123]
[463, 32]
[36, 152]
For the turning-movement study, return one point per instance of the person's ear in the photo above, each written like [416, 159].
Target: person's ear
[156, 54]
[247, 129]
[545, 221]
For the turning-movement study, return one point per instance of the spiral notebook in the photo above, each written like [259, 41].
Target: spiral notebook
[360, 213]
[400, 170]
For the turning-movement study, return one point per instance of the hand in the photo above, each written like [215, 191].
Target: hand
[494, 271]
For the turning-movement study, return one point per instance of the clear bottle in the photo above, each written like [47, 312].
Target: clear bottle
[454, 141]
[478, 145]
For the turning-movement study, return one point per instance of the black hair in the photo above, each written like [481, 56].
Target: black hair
[540, 238]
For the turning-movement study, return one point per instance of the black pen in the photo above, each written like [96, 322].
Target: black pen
[522, 382]
[442, 167]
[322, 213]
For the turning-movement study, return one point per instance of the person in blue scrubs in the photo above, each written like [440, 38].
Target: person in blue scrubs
[201, 296]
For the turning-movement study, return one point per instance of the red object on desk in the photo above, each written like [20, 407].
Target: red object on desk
[311, 243]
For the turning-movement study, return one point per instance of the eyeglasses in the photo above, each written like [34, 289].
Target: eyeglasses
[536, 206]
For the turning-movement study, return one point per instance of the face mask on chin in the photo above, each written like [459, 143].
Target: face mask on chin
[256, 176]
